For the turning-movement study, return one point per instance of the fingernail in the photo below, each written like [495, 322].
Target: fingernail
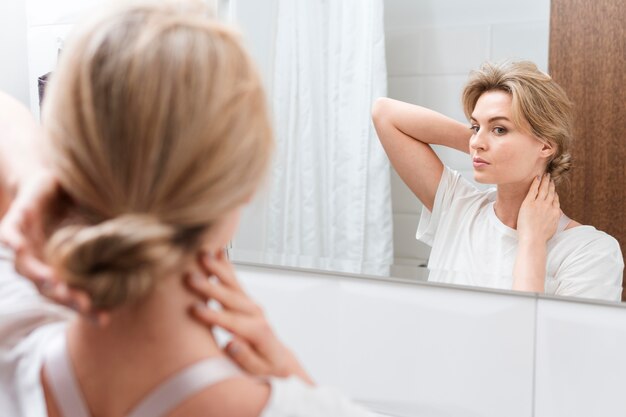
[75, 306]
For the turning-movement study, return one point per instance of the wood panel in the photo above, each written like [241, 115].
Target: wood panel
[588, 59]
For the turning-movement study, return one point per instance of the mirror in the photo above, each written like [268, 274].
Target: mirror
[430, 48]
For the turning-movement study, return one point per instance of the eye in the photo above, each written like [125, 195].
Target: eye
[499, 130]
[474, 128]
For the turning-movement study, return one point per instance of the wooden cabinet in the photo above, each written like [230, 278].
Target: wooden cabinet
[588, 59]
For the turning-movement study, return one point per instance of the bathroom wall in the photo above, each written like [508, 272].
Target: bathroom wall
[432, 45]
[429, 350]
[48, 23]
[418, 350]
[14, 67]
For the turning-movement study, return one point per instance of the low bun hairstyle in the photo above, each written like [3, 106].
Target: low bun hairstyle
[539, 105]
[115, 261]
[158, 128]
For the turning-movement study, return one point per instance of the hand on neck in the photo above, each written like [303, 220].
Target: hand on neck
[509, 199]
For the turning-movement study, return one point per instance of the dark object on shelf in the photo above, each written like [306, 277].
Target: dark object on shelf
[41, 84]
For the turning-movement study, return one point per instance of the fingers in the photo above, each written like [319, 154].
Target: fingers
[229, 299]
[30, 267]
[534, 189]
[551, 191]
[233, 323]
[221, 268]
[556, 202]
[246, 357]
[544, 187]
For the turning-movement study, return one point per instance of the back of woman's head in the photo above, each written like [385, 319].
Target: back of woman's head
[539, 105]
[158, 128]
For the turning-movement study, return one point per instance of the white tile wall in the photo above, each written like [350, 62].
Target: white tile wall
[526, 40]
[431, 47]
[44, 43]
[303, 312]
[444, 351]
[404, 228]
[49, 23]
[438, 92]
[58, 12]
[428, 350]
[14, 66]
[461, 353]
[437, 50]
[411, 13]
[581, 360]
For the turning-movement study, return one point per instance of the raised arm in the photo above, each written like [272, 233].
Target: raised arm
[30, 192]
[406, 131]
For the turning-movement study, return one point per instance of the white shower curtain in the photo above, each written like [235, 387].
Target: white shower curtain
[329, 203]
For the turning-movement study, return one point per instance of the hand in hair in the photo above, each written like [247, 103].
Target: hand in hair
[23, 229]
[254, 347]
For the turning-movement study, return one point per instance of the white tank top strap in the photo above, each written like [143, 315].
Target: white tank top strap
[185, 384]
[563, 222]
[159, 402]
[62, 380]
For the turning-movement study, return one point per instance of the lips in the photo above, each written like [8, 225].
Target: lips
[479, 162]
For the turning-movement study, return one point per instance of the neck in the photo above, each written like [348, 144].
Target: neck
[509, 199]
[157, 336]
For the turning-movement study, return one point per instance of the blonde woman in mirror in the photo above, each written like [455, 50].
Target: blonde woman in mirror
[156, 128]
[514, 236]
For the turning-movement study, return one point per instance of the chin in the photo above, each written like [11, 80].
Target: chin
[482, 178]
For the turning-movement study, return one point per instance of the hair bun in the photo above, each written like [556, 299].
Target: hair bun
[115, 261]
[559, 167]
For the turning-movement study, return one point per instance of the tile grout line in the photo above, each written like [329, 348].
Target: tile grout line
[534, 373]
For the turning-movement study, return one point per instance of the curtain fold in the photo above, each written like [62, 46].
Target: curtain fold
[329, 202]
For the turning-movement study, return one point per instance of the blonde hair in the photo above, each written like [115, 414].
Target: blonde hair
[158, 128]
[539, 105]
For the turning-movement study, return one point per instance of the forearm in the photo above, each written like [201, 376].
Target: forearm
[422, 124]
[529, 271]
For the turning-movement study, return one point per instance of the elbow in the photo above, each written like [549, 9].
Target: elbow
[381, 110]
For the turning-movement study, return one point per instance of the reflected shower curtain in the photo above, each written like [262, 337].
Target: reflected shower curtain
[329, 203]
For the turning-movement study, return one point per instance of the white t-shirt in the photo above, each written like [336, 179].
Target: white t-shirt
[471, 246]
[29, 322]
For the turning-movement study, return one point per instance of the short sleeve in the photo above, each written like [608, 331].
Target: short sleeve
[593, 271]
[451, 187]
[291, 397]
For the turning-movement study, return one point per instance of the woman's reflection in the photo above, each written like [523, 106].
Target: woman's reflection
[514, 236]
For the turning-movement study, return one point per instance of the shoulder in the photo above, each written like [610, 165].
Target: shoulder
[584, 241]
[456, 187]
[236, 397]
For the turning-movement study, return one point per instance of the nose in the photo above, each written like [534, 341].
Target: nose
[477, 141]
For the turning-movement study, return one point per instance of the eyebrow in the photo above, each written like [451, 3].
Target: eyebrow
[492, 119]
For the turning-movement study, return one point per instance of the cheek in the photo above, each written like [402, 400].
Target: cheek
[517, 160]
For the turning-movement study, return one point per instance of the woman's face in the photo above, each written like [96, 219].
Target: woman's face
[502, 153]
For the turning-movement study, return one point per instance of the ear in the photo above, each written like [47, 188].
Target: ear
[547, 150]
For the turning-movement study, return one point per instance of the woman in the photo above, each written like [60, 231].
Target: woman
[516, 236]
[156, 128]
